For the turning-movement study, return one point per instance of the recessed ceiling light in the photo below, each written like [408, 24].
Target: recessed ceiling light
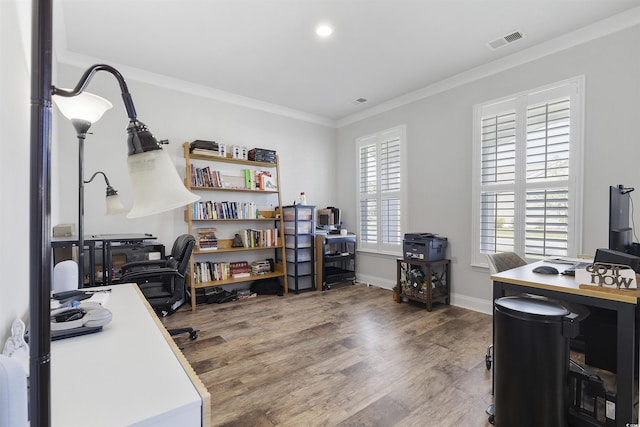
[324, 30]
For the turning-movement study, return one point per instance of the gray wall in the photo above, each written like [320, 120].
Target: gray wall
[14, 172]
[306, 150]
[439, 137]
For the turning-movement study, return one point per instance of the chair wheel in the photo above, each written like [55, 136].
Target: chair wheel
[193, 335]
[488, 360]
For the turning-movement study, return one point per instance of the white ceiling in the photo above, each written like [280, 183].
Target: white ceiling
[266, 50]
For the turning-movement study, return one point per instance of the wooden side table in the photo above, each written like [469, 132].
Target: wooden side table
[424, 281]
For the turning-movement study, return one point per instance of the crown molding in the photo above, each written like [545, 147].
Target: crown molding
[132, 73]
[594, 31]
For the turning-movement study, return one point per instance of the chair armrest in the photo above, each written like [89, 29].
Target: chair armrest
[145, 274]
[144, 265]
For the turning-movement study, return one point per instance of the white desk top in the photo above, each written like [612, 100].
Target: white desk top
[125, 375]
[556, 282]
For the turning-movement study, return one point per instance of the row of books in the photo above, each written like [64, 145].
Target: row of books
[252, 238]
[206, 238]
[248, 180]
[207, 271]
[224, 210]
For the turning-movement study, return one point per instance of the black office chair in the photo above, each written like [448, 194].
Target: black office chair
[162, 282]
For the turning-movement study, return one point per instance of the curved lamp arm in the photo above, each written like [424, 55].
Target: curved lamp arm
[110, 190]
[156, 184]
[86, 78]
[140, 138]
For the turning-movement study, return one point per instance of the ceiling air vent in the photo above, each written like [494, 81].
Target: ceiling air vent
[505, 40]
[359, 101]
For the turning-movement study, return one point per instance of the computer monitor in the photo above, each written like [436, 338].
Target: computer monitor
[620, 232]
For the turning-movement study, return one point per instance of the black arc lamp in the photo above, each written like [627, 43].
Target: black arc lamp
[114, 204]
[156, 184]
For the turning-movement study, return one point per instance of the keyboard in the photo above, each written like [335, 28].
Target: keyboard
[571, 271]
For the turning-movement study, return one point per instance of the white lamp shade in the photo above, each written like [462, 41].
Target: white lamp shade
[65, 276]
[156, 184]
[85, 106]
[114, 205]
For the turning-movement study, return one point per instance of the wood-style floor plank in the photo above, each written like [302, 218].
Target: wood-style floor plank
[349, 356]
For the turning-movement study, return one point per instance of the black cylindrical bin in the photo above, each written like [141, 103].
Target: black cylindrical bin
[531, 361]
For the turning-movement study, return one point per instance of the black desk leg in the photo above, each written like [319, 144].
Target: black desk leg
[109, 262]
[498, 292]
[92, 262]
[625, 377]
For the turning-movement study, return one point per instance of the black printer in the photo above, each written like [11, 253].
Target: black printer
[424, 246]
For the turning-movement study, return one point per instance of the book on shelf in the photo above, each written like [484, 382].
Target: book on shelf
[268, 183]
[207, 239]
[206, 271]
[261, 267]
[252, 238]
[264, 178]
[239, 269]
[209, 210]
[205, 177]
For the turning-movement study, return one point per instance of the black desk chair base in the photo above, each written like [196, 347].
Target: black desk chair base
[193, 333]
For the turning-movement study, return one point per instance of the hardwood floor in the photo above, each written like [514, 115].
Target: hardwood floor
[349, 356]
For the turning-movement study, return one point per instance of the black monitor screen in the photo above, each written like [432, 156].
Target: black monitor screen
[620, 233]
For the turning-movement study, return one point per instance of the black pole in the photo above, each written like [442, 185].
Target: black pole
[39, 216]
[81, 137]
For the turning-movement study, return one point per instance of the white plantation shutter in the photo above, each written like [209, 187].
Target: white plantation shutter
[527, 173]
[547, 223]
[380, 185]
[548, 157]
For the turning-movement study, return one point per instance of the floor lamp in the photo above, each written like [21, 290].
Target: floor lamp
[83, 111]
[156, 184]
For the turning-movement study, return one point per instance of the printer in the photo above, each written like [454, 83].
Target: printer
[424, 246]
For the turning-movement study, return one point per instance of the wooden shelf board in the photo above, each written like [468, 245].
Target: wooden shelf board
[239, 280]
[224, 245]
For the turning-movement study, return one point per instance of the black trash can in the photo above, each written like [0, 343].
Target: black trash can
[531, 361]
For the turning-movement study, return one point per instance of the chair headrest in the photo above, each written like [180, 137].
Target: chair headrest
[182, 247]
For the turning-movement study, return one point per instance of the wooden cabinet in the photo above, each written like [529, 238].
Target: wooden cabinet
[424, 281]
[240, 201]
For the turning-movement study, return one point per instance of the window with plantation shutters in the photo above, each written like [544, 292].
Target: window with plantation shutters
[380, 184]
[528, 173]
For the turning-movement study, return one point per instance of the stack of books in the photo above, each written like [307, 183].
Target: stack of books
[207, 239]
[205, 148]
[260, 267]
[239, 269]
[262, 155]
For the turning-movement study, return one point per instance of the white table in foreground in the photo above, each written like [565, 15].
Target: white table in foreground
[129, 374]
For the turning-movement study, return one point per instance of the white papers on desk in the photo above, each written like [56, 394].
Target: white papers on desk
[567, 260]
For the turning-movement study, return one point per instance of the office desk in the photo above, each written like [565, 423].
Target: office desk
[106, 243]
[564, 288]
[130, 373]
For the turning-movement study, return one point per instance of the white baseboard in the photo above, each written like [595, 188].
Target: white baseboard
[470, 303]
[475, 304]
[375, 281]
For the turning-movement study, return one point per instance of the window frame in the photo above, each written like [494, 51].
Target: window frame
[377, 139]
[574, 88]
